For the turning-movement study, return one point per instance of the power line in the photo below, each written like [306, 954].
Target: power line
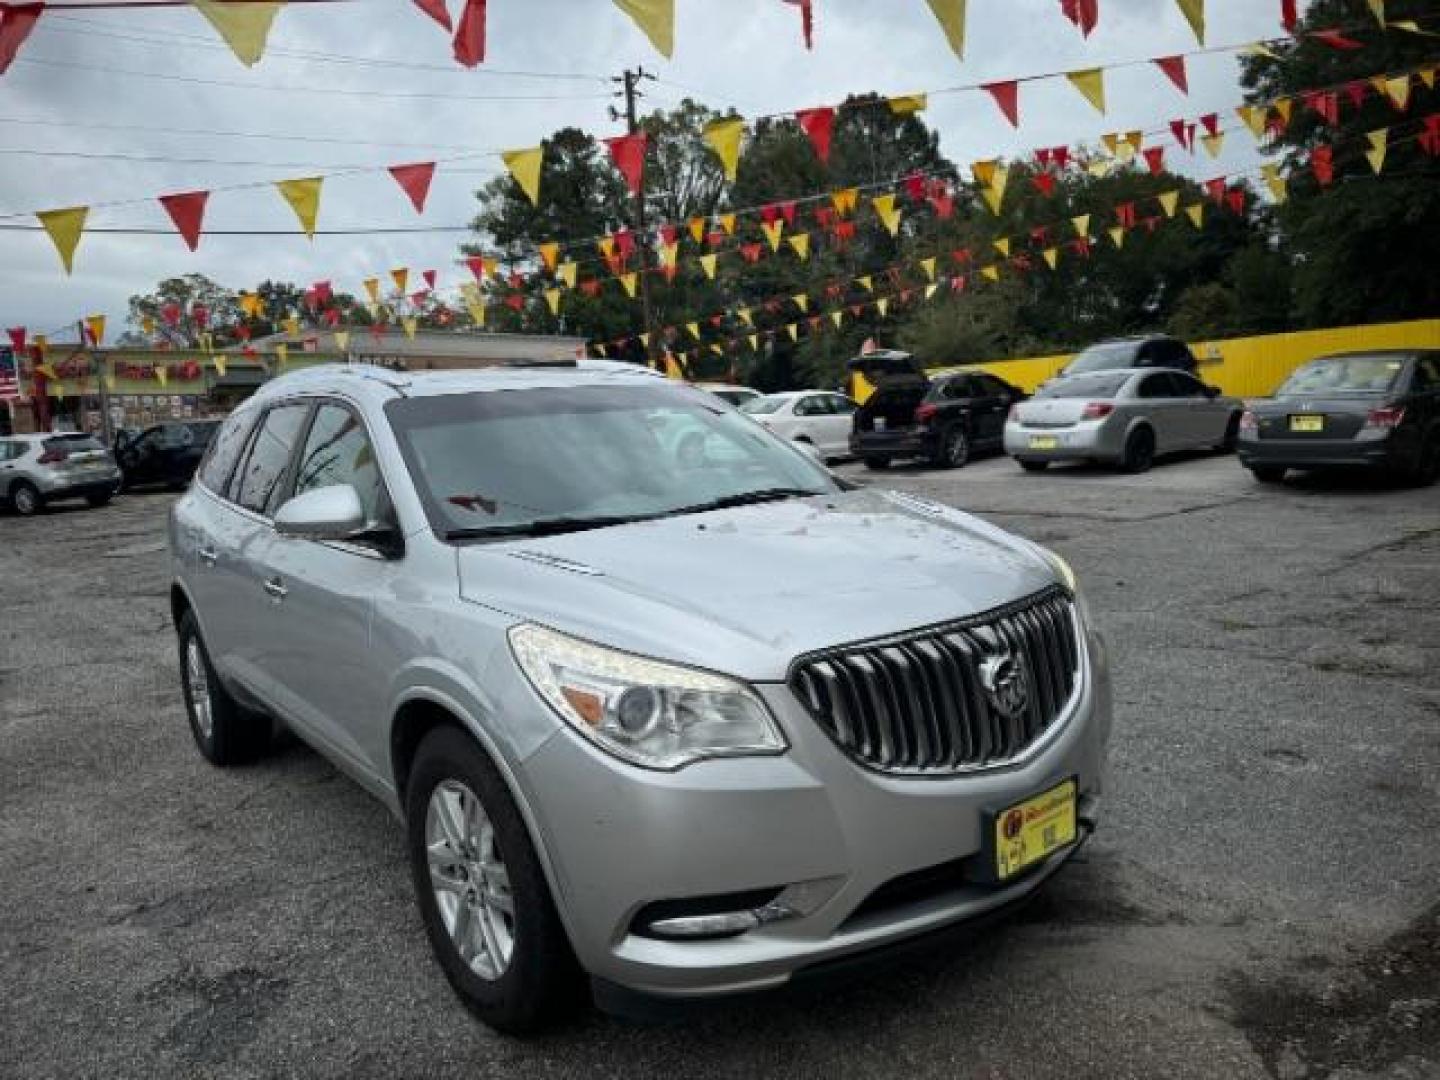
[329, 140]
[148, 159]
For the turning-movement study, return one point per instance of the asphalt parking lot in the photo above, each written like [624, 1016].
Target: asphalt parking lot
[1262, 897]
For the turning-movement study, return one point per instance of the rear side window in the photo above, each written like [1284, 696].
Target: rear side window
[224, 451]
[263, 474]
[1427, 373]
[72, 444]
[1096, 386]
[337, 451]
[1157, 386]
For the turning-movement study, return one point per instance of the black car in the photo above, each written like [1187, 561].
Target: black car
[1377, 409]
[164, 454]
[941, 420]
[1147, 351]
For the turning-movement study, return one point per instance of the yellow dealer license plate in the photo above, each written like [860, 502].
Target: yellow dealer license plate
[1034, 829]
[1044, 442]
[1307, 423]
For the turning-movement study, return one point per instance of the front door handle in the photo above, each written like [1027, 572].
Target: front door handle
[208, 555]
[276, 590]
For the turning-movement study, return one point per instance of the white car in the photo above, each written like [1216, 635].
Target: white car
[735, 395]
[817, 417]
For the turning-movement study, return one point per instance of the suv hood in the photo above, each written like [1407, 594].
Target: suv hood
[744, 591]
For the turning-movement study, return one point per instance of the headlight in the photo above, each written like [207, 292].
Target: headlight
[649, 713]
[1067, 575]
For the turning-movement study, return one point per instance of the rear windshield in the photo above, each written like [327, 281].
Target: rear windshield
[762, 405]
[734, 397]
[72, 444]
[1096, 386]
[1117, 354]
[1344, 375]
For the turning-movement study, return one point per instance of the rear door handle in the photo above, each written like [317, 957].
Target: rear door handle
[208, 555]
[276, 590]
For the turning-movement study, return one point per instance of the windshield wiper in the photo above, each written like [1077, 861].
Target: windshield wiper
[544, 527]
[744, 498]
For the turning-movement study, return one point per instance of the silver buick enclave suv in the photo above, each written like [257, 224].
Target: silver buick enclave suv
[657, 697]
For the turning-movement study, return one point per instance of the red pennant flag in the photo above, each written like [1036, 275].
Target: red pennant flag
[171, 314]
[1430, 137]
[1042, 158]
[1177, 128]
[824, 215]
[750, 252]
[1335, 39]
[1216, 189]
[1044, 183]
[1125, 215]
[769, 213]
[470, 37]
[807, 21]
[1007, 96]
[17, 338]
[787, 210]
[242, 332]
[201, 314]
[417, 298]
[429, 276]
[1211, 123]
[818, 124]
[716, 320]
[590, 287]
[844, 230]
[625, 244]
[414, 180]
[914, 187]
[1327, 105]
[1039, 234]
[1061, 156]
[628, 153]
[187, 211]
[1322, 161]
[961, 257]
[856, 309]
[476, 266]
[377, 330]
[1083, 13]
[16, 22]
[323, 292]
[957, 283]
[834, 291]
[516, 281]
[944, 205]
[1288, 15]
[669, 270]
[436, 10]
[1174, 67]
[1236, 198]
[515, 301]
[1356, 92]
[1151, 223]
[1155, 159]
[716, 238]
[332, 317]
[668, 234]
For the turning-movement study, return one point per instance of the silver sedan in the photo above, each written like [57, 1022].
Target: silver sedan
[1123, 418]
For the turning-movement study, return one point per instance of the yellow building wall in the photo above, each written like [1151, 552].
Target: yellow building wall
[1253, 366]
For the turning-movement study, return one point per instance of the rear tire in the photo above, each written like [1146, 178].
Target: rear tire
[1268, 474]
[225, 733]
[954, 449]
[1031, 465]
[1427, 464]
[489, 866]
[1139, 451]
[101, 499]
[878, 464]
[26, 499]
[1232, 435]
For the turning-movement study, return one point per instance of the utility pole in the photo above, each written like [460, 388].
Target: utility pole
[631, 91]
[107, 426]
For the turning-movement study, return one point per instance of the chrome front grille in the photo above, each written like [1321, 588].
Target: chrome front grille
[919, 702]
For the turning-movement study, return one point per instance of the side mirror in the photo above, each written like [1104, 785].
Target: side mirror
[328, 513]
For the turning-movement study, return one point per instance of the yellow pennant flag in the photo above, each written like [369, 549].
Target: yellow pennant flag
[291, 326]
[1117, 235]
[861, 388]
[220, 364]
[1099, 167]
[886, 211]
[1378, 140]
[727, 222]
[1082, 225]
[147, 324]
[837, 317]
[1196, 213]
[867, 283]
[1194, 12]
[1134, 140]
[1169, 200]
[984, 171]
[717, 350]
[1111, 142]
[1396, 89]
[342, 340]
[161, 375]
[723, 136]
[566, 273]
[1275, 181]
[552, 300]
[930, 291]
[630, 282]
[304, 198]
[524, 166]
[951, 14]
[606, 244]
[673, 370]
[110, 377]
[491, 265]
[697, 229]
[908, 104]
[801, 243]
[1091, 84]
[669, 255]
[1377, 8]
[754, 340]
[1254, 117]
[645, 340]
[244, 27]
[656, 18]
[802, 301]
[251, 305]
[1213, 143]
[1284, 107]
[694, 328]
[1428, 77]
[928, 265]
[1003, 246]
[707, 263]
[793, 331]
[990, 273]
[476, 307]
[401, 277]
[372, 289]
[994, 192]
[1259, 48]
[845, 200]
[883, 306]
[207, 342]
[550, 255]
[96, 325]
[65, 227]
[282, 353]
[772, 231]
[744, 314]
[1052, 257]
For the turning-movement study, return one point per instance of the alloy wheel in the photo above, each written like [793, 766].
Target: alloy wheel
[198, 681]
[957, 449]
[26, 502]
[469, 879]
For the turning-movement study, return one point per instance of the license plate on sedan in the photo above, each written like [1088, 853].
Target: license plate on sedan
[879, 423]
[1031, 831]
[1044, 442]
[1307, 423]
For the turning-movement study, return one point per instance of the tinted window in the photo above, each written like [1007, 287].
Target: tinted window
[263, 474]
[813, 406]
[763, 405]
[337, 451]
[1344, 375]
[1186, 386]
[1427, 373]
[1116, 354]
[10, 450]
[1096, 386]
[1157, 386]
[224, 451]
[73, 444]
[842, 406]
[993, 387]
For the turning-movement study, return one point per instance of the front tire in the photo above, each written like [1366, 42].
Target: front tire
[1139, 451]
[225, 733]
[877, 464]
[1232, 435]
[954, 449]
[26, 499]
[1427, 463]
[99, 499]
[482, 893]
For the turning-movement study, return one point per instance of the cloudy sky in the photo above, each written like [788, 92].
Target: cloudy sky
[116, 107]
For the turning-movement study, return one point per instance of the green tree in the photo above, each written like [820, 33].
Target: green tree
[178, 297]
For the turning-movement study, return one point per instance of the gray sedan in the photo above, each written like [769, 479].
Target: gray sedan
[1124, 418]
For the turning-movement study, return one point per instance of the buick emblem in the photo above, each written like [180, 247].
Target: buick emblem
[1005, 684]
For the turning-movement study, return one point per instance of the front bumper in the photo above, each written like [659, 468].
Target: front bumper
[1318, 453]
[618, 838]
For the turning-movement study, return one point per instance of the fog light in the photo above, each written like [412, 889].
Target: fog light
[709, 917]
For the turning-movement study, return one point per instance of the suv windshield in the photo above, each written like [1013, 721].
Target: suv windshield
[562, 459]
[1343, 375]
[1095, 386]
[1116, 354]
